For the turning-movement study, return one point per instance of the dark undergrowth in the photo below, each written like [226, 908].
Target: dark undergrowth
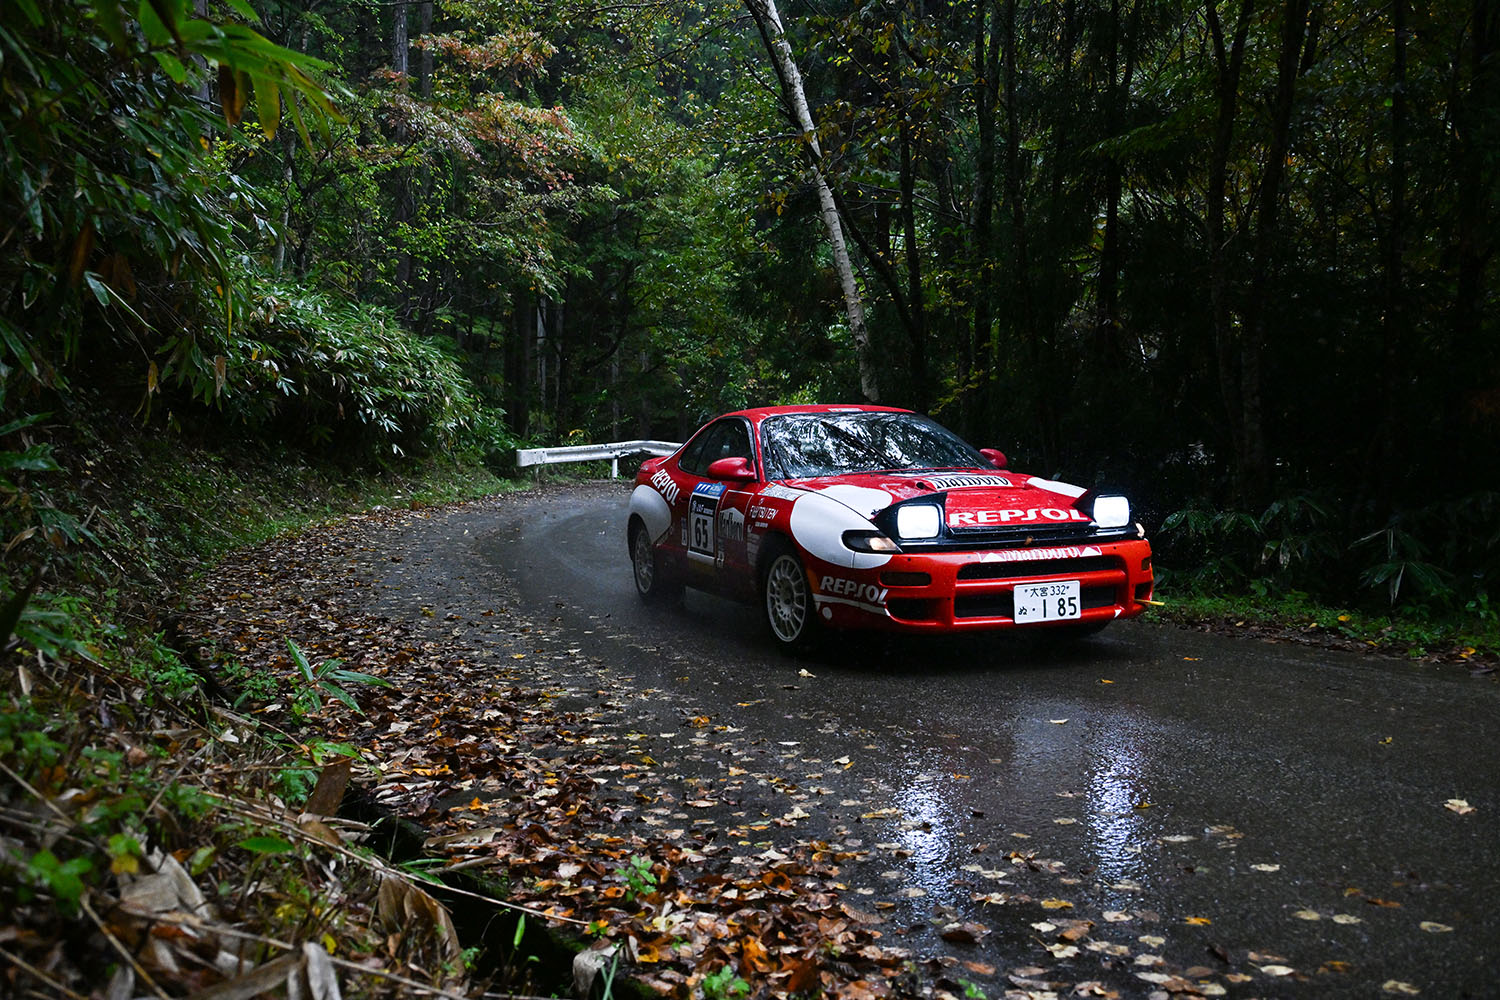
[1312, 567]
[155, 838]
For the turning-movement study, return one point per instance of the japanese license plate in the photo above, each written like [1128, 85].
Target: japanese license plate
[1047, 602]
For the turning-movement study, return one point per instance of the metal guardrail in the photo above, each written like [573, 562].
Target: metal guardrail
[593, 453]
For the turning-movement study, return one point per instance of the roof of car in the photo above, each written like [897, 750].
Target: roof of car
[760, 412]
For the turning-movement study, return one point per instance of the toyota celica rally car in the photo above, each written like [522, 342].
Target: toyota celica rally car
[868, 517]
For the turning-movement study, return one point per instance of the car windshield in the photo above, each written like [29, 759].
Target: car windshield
[807, 445]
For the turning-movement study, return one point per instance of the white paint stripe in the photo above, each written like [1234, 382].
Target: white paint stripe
[873, 608]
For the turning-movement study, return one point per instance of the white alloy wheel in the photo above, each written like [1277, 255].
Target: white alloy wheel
[654, 577]
[643, 561]
[789, 604]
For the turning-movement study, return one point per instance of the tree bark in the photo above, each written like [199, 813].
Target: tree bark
[1254, 472]
[1476, 114]
[1229, 65]
[768, 20]
[1393, 328]
[978, 360]
[402, 211]
[1107, 298]
[424, 60]
[916, 326]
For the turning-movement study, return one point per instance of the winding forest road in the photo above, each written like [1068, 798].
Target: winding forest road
[1270, 818]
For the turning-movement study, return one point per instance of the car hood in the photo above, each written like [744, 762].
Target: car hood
[974, 497]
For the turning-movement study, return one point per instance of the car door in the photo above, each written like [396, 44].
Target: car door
[713, 526]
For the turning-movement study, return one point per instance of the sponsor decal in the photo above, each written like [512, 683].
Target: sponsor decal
[764, 514]
[665, 485]
[1024, 555]
[854, 589]
[778, 492]
[965, 482]
[731, 526]
[702, 507]
[1032, 515]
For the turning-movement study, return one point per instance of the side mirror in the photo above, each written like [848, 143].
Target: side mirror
[735, 469]
[995, 455]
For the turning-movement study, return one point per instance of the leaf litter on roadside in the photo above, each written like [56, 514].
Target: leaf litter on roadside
[513, 751]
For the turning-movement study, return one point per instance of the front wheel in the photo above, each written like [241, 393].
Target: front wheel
[651, 579]
[787, 599]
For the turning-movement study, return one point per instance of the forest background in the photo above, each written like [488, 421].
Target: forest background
[1233, 257]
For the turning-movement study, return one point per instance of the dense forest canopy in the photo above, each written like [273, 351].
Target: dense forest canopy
[1234, 256]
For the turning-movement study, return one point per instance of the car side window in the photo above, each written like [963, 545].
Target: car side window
[725, 439]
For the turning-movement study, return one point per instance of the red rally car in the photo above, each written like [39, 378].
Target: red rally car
[871, 517]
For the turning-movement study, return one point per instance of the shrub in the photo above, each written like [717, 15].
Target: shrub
[338, 374]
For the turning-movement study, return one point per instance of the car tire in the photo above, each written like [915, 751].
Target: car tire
[653, 581]
[786, 598]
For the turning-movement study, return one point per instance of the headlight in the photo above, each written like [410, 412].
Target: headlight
[870, 541]
[1111, 511]
[918, 520]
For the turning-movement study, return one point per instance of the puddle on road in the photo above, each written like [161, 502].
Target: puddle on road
[1048, 789]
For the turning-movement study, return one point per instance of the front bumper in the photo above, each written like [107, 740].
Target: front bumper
[974, 590]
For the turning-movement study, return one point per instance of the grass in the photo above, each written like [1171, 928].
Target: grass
[115, 758]
[1471, 637]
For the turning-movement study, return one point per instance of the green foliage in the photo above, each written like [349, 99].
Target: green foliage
[1292, 543]
[723, 984]
[327, 678]
[341, 375]
[640, 880]
[63, 880]
[1441, 558]
[125, 237]
[27, 743]
[31, 514]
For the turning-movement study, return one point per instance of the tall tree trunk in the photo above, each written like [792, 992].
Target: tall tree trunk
[916, 325]
[1477, 115]
[977, 366]
[768, 20]
[402, 211]
[1020, 308]
[424, 59]
[204, 90]
[1229, 63]
[283, 231]
[1393, 328]
[518, 356]
[1107, 300]
[1254, 473]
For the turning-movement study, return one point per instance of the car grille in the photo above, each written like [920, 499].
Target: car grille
[1037, 567]
[1003, 605]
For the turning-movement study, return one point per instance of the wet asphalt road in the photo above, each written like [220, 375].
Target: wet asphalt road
[1194, 796]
